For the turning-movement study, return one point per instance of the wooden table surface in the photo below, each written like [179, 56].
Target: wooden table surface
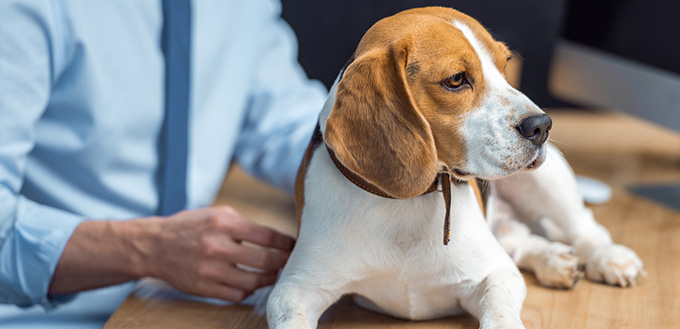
[613, 148]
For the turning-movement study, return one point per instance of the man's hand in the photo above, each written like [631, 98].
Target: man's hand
[198, 251]
[201, 252]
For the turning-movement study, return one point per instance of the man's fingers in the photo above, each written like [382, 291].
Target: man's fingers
[238, 278]
[263, 236]
[243, 229]
[250, 281]
[219, 290]
[257, 258]
[206, 243]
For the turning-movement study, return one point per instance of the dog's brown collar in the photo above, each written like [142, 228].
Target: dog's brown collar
[442, 178]
[366, 185]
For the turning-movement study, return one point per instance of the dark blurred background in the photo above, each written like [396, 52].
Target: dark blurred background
[329, 31]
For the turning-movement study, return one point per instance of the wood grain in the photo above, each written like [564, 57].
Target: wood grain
[616, 149]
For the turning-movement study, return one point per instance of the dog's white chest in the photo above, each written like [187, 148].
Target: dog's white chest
[403, 267]
[420, 287]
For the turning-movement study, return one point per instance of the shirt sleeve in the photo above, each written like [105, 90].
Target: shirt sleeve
[32, 236]
[283, 108]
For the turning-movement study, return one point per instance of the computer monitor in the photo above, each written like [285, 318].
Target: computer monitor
[623, 55]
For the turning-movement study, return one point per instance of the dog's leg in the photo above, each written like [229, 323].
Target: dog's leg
[296, 305]
[302, 293]
[497, 301]
[549, 194]
[554, 263]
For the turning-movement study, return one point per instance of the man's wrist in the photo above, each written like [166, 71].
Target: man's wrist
[104, 253]
[138, 238]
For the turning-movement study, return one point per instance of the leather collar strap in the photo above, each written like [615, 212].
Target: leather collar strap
[366, 185]
[443, 178]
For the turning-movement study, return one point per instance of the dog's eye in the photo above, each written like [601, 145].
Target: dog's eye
[455, 82]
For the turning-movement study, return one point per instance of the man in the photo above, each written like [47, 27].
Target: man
[85, 153]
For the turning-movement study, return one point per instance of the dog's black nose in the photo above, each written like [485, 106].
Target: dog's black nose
[535, 128]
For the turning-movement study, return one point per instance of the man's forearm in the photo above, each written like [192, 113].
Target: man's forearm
[102, 253]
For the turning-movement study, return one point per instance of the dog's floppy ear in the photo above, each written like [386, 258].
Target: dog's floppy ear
[376, 129]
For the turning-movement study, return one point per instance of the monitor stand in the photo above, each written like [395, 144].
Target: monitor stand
[667, 194]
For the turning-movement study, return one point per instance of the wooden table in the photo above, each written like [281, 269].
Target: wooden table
[613, 148]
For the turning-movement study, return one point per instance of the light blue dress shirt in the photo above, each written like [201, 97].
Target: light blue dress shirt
[81, 107]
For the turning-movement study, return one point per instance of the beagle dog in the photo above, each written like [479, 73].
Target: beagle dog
[418, 129]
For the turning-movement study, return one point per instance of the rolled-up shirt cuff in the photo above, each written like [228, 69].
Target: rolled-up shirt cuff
[31, 252]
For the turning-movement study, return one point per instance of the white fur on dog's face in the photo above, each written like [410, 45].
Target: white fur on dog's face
[494, 146]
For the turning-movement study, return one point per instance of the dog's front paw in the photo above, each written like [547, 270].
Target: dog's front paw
[500, 322]
[558, 267]
[503, 326]
[614, 264]
[288, 321]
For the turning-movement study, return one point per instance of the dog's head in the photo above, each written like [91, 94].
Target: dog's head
[426, 92]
